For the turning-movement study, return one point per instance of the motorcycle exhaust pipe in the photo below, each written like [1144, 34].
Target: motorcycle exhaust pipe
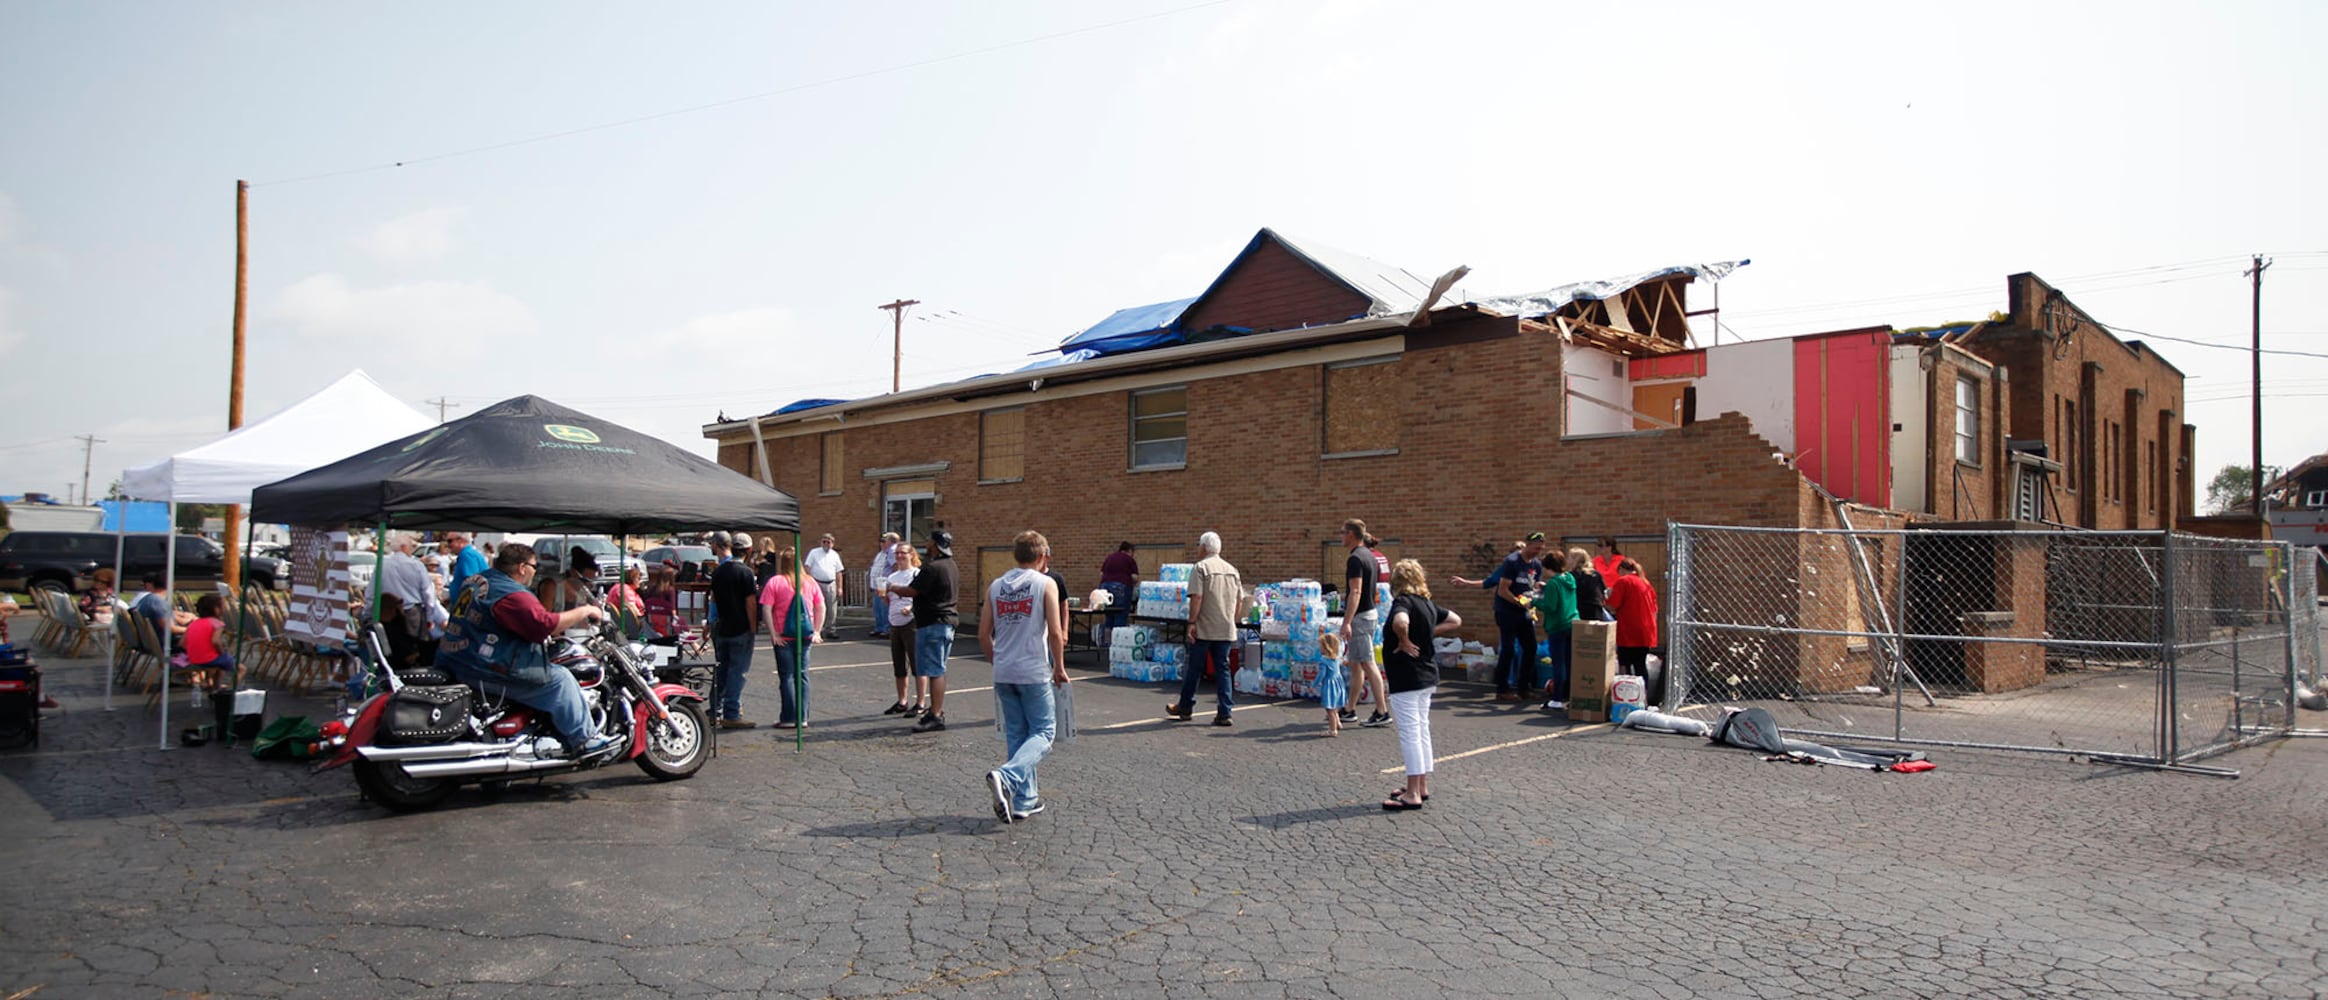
[434, 751]
[487, 766]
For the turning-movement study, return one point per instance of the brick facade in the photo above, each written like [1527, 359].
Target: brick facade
[2109, 410]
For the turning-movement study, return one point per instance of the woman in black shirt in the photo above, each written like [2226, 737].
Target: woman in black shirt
[1412, 675]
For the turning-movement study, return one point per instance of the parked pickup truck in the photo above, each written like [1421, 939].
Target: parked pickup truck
[66, 560]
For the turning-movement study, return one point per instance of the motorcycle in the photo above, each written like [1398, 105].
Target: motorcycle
[410, 745]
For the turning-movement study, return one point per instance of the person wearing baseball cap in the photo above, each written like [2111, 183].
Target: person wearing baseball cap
[934, 619]
[735, 622]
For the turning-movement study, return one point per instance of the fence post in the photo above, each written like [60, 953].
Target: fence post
[2167, 632]
[1679, 663]
[2288, 625]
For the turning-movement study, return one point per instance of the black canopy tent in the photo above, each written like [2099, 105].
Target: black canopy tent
[528, 464]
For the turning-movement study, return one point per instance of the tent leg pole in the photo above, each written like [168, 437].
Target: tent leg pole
[379, 559]
[170, 613]
[799, 653]
[113, 638]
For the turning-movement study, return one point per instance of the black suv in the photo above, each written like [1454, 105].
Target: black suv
[65, 560]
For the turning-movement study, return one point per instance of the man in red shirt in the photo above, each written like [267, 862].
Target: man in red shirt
[494, 642]
[1634, 603]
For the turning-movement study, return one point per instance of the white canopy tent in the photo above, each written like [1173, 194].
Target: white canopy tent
[348, 416]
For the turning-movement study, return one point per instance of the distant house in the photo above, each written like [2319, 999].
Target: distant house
[2296, 504]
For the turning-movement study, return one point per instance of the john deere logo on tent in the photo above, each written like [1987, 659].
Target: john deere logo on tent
[423, 439]
[577, 435]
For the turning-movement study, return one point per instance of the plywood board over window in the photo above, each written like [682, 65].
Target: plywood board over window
[830, 444]
[1362, 407]
[993, 562]
[1002, 446]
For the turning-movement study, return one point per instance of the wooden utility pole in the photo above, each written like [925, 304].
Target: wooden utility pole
[232, 571]
[897, 346]
[2255, 386]
[440, 403]
[89, 443]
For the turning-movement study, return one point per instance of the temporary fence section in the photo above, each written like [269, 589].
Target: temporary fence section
[2153, 648]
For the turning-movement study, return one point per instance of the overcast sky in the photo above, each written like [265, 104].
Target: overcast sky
[1023, 169]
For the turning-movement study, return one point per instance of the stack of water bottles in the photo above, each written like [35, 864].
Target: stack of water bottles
[1139, 653]
[1293, 617]
[1166, 596]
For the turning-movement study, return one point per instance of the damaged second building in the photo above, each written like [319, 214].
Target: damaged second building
[1306, 385]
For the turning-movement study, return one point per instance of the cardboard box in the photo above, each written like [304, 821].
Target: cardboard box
[1593, 665]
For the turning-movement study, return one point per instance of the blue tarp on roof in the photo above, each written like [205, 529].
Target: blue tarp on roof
[1133, 329]
[804, 404]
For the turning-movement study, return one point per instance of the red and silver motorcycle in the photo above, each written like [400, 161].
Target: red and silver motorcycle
[412, 744]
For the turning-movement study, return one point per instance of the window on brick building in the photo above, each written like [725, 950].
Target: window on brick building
[1967, 421]
[830, 479]
[1362, 408]
[1160, 428]
[1002, 445]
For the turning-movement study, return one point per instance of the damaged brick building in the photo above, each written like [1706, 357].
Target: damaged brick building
[1306, 385]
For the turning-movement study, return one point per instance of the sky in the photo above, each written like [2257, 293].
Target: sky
[666, 215]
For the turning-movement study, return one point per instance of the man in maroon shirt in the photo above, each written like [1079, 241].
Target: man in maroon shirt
[494, 642]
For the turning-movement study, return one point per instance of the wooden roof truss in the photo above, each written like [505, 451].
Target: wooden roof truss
[1645, 320]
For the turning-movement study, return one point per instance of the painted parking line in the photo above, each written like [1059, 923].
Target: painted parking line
[1505, 746]
[1158, 720]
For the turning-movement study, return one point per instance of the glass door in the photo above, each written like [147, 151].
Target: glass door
[909, 508]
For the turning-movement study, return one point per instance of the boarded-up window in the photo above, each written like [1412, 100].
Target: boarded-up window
[1002, 445]
[831, 483]
[1160, 428]
[1362, 407]
[993, 562]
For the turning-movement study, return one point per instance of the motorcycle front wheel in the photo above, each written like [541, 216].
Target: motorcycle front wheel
[388, 784]
[676, 749]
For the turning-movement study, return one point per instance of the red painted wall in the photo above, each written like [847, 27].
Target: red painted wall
[1843, 414]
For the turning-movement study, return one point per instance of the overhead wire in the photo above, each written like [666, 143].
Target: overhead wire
[747, 98]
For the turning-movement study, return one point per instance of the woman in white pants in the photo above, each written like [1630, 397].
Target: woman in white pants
[1412, 675]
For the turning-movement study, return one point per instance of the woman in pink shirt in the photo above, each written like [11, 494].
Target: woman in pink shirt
[794, 608]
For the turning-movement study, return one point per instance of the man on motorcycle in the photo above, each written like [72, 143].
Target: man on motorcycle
[494, 642]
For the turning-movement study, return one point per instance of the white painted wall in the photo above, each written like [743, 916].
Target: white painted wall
[1755, 378]
[1910, 412]
[1599, 374]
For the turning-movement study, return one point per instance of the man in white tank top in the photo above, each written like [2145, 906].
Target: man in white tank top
[1026, 637]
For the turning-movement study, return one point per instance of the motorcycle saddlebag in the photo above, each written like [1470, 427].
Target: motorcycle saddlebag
[420, 714]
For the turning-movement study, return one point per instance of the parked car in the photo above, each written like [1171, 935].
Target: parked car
[67, 560]
[550, 554]
[679, 555]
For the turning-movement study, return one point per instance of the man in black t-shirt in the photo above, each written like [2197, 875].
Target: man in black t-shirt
[1359, 618]
[735, 599]
[933, 624]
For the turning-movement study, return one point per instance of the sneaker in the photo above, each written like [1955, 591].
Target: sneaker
[1001, 795]
[593, 747]
[1349, 714]
[1378, 719]
[1555, 705]
[1027, 810]
[897, 708]
[1178, 711]
[1222, 720]
[738, 724]
[914, 710]
[930, 723]
[1506, 696]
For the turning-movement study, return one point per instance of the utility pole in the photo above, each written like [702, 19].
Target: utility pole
[2255, 385]
[232, 570]
[89, 443]
[440, 403]
[897, 346]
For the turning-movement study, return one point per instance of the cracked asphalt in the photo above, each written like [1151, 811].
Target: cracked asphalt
[1174, 860]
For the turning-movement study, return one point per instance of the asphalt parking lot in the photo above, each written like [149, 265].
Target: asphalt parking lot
[1174, 860]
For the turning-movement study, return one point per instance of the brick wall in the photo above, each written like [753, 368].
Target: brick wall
[1271, 289]
[2056, 354]
[1960, 491]
[1480, 461]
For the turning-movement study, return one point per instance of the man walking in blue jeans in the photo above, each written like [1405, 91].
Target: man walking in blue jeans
[1216, 593]
[735, 606]
[1025, 634]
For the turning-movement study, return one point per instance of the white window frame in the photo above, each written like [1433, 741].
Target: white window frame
[2316, 498]
[1132, 419]
[1967, 421]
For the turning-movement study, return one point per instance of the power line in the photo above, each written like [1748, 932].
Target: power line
[2210, 343]
[763, 95]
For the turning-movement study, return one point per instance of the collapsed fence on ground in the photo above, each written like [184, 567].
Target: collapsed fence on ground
[2140, 647]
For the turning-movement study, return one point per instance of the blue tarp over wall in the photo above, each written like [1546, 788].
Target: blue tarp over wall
[147, 516]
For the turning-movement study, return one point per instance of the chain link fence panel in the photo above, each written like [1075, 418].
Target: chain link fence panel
[2043, 640]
